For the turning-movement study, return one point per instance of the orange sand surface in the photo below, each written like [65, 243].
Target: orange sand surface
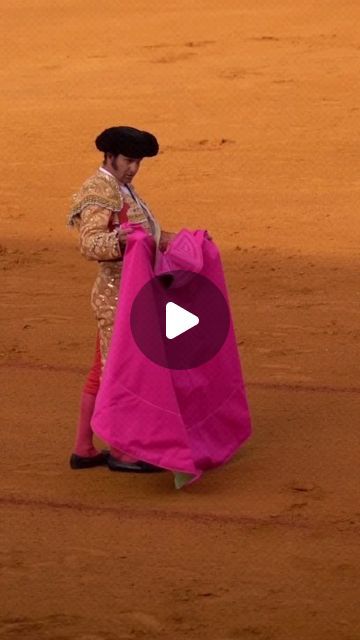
[256, 107]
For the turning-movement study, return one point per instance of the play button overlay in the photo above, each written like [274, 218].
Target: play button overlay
[180, 320]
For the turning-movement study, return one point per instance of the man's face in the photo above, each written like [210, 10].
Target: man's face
[123, 168]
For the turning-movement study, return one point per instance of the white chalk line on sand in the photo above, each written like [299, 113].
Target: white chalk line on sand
[278, 386]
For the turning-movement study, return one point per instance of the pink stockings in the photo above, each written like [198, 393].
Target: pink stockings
[84, 433]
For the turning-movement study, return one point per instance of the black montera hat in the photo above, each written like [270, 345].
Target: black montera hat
[128, 141]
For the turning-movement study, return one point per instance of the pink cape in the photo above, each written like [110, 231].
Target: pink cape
[186, 421]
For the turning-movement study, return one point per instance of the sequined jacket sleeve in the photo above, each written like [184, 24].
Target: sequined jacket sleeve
[91, 211]
[96, 241]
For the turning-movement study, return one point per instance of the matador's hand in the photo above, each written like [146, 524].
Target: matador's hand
[122, 236]
[123, 233]
[165, 238]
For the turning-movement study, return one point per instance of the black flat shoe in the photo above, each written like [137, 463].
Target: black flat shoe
[131, 467]
[150, 468]
[82, 462]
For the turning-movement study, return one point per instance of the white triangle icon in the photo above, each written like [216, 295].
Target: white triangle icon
[178, 320]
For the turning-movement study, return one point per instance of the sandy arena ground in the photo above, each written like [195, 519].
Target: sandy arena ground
[256, 107]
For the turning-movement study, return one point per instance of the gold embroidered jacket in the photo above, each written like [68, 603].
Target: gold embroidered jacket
[96, 212]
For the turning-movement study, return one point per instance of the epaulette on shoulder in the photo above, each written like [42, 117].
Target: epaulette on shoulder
[98, 190]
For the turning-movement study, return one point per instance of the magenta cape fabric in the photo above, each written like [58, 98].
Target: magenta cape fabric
[187, 421]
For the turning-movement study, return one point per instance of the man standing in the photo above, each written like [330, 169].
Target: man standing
[103, 203]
